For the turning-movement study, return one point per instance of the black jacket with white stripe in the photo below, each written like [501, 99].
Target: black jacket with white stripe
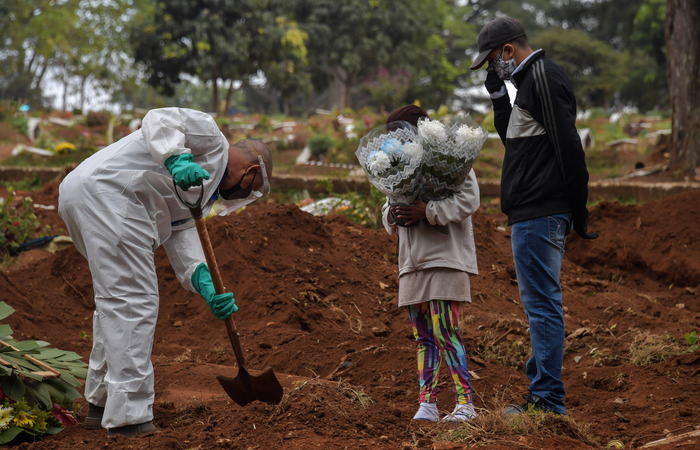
[544, 168]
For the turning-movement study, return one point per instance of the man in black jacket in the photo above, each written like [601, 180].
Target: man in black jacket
[544, 190]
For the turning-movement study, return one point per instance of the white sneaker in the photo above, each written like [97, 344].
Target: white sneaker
[427, 411]
[462, 413]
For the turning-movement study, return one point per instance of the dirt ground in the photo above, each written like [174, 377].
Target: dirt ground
[318, 304]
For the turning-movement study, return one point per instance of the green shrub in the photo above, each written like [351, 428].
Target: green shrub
[98, 118]
[17, 224]
[7, 109]
[27, 184]
[366, 209]
[487, 122]
[344, 152]
[20, 123]
[264, 125]
[320, 144]
[24, 159]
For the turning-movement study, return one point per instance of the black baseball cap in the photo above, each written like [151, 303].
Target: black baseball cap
[497, 32]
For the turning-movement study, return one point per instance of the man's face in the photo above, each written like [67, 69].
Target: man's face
[506, 52]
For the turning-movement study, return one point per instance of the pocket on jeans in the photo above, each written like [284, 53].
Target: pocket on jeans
[558, 227]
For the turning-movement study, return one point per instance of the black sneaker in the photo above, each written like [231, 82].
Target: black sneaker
[532, 403]
[137, 430]
[93, 420]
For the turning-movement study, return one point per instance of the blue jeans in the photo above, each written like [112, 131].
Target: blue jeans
[538, 252]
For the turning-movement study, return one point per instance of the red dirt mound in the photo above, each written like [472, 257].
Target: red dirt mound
[317, 299]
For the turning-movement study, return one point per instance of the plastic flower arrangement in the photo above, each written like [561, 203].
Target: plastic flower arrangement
[391, 156]
[449, 153]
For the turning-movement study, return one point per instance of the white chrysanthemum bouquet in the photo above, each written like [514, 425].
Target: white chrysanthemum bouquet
[391, 156]
[449, 152]
[430, 162]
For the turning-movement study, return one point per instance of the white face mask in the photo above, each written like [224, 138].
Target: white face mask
[504, 69]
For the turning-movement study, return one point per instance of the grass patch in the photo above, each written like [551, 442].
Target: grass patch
[321, 399]
[647, 348]
[491, 427]
[28, 159]
[508, 347]
[28, 184]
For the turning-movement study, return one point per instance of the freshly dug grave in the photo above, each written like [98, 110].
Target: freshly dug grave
[317, 299]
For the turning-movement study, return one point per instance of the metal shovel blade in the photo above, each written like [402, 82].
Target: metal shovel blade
[247, 388]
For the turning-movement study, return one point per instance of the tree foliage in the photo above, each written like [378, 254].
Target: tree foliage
[217, 41]
[593, 66]
[358, 41]
[632, 29]
[35, 33]
[297, 55]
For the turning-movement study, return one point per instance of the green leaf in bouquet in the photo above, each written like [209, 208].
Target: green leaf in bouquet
[40, 393]
[33, 373]
[70, 379]
[16, 361]
[24, 346]
[13, 387]
[10, 434]
[51, 353]
[70, 356]
[63, 392]
[5, 311]
[5, 330]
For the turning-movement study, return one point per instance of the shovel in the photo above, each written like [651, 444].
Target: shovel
[244, 388]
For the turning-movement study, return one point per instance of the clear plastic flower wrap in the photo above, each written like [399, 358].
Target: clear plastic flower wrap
[449, 153]
[391, 156]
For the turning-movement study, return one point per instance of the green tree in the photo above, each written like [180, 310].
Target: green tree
[647, 85]
[224, 43]
[537, 16]
[79, 43]
[445, 61]
[630, 27]
[87, 55]
[35, 33]
[287, 77]
[350, 40]
[592, 65]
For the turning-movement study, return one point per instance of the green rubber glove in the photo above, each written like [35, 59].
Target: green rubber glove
[221, 305]
[185, 172]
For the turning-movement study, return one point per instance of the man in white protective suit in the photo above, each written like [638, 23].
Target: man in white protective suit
[119, 206]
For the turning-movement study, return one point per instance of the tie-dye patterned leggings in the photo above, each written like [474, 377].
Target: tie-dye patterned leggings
[436, 327]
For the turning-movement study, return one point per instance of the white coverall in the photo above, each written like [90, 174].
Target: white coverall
[119, 206]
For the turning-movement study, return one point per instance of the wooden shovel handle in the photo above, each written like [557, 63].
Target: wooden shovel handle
[218, 286]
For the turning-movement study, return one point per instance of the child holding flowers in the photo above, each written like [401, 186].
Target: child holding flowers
[437, 254]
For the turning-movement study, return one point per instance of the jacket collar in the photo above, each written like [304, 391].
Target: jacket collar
[520, 73]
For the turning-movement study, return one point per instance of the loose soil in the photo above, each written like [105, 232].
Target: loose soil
[318, 304]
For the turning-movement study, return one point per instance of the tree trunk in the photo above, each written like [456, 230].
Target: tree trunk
[64, 97]
[336, 90]
[349, 81]
[83, 86]
[229, 94]
[215, 96]
[683, 56]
